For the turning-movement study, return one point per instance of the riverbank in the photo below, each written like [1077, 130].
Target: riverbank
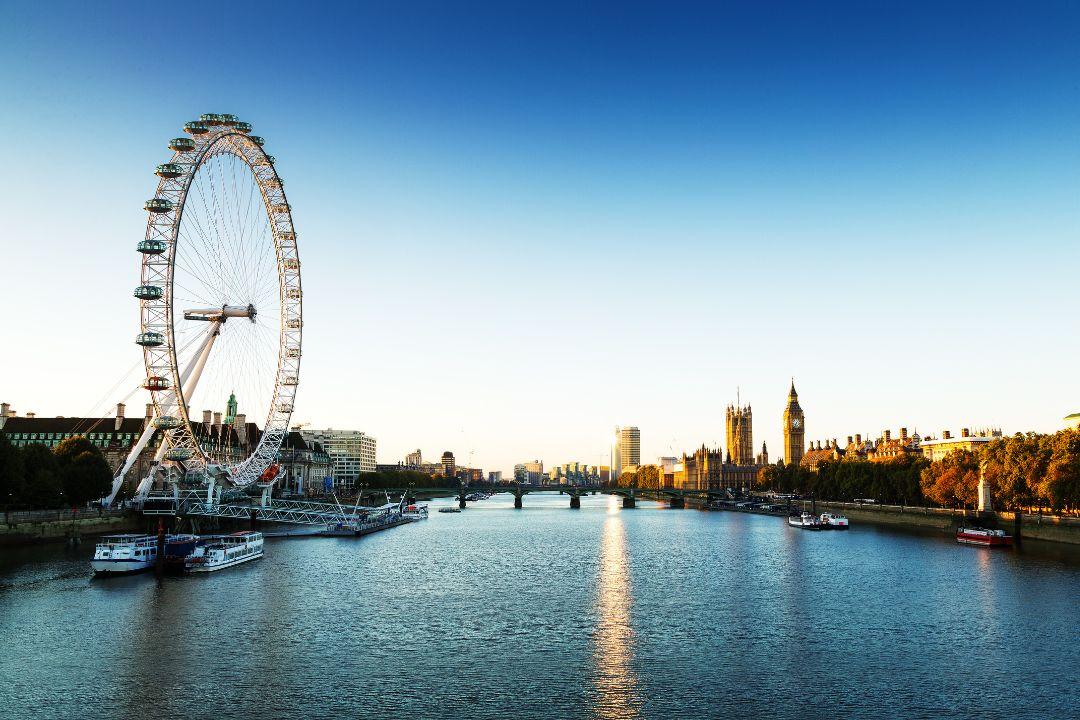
[1052, 528]
[54, 526]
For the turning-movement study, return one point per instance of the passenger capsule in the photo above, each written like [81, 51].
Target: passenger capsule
[196, 128]
[182, 144]
[289, 380]
[156, 382]
[257, 140]
[167, 422]
[293, 294]
[285, 408]
[243, 127]
[288, 236]
[149, 292]
[158, 205]
[152, 247]
[210, 118]
[169, 170]
[178, 453]
[271, 159]
[228, 119]
[150, 339]
[290, 264]
[293, 324]
[292, 352]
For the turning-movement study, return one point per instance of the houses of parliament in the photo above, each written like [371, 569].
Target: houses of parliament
[709, 468]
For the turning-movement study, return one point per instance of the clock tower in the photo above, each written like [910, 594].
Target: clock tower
[794, 428]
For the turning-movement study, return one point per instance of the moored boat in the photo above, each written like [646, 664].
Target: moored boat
[449, 510]
[177, 550]
[983, 536]
[832, 521]
[124, 554]
[415, 512]
[806, 521]
[218, 553]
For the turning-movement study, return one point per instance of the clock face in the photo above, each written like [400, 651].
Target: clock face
[796, 423]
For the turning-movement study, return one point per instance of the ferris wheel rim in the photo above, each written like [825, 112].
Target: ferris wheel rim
[159, 312]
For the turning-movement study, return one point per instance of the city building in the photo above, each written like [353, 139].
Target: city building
[114, 435]
[495, 477]
[449, 467]
[936, 448]
[530, 473]
[414, 460]
[738, 426]
[628, 448]
[305, 467]
[886, 447]
[794, 429]
[351, 452]
[1072, 422]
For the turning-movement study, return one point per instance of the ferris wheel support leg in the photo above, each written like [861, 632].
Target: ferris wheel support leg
[190, 380]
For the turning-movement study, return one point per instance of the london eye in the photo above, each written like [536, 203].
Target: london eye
[220, 304]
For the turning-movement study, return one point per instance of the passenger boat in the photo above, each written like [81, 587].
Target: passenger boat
[806, 521]
[831, 521]
[124, 554]
[983, 536]
[415, 512]
[224, 551]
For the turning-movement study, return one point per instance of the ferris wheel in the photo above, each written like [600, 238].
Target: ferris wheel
[220, 306]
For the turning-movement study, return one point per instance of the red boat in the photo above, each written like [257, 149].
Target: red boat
[982, 536]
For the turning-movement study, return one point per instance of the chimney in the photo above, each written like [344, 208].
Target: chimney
[206, 418]
[964, 432]
[31, 415]
[946, 435]
[119, 417]
[5, 408]
[834, 444]
[858, 438]
[903, 433]
[240, 423]
[217, 421]
[848, 439]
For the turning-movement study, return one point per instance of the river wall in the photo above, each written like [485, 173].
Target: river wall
[1053, 528]
[27, 528]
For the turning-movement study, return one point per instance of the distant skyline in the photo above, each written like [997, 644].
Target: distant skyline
[521, 226]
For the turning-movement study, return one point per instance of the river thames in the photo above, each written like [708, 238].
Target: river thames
[551, 613]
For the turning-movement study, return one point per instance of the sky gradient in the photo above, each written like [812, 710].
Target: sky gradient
[523, 225]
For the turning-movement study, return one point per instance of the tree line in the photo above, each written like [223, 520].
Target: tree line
[36, 476]
[1024, 471]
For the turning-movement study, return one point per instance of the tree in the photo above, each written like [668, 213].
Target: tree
[12, 473]
[84, 472]
[954, 480]
[648, 477]
[42, 488]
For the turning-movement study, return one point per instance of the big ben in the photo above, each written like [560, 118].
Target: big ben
[794, 429]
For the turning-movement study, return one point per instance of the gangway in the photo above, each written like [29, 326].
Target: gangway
[205, 504]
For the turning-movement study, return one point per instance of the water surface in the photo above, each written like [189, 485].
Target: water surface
[551, 613]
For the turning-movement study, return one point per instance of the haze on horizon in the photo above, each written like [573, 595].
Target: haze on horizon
[521, 226]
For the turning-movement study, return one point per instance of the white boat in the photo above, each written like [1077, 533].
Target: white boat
[831, 521]
[806, 521]
[224, 551]
[124, 554]
[415, 512]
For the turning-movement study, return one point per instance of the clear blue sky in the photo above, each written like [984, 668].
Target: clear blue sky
[522, 224]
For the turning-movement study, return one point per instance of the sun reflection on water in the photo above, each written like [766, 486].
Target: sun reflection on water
[613, 638]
